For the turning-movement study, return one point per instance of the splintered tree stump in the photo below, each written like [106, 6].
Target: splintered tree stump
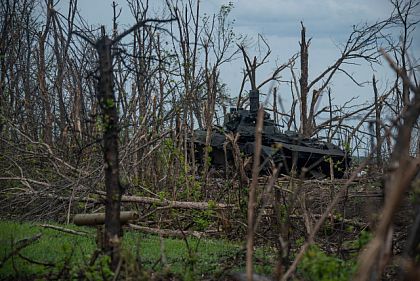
[99, 218]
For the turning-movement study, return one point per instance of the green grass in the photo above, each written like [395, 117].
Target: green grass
[203, 258]
[53, 247]
[207, 257]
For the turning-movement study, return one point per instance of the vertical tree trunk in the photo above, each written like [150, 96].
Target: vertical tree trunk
[59, 51]
[3, 99]
[47, 130]
[161, 87]
[110, 149]
[275, 111]
[209, 112]
[28, 126]
[139, 54]
[77, 106]
[48, 116]
[211, 82]
[303, 81]
[251, 195]
[403, 48]
[378, 109]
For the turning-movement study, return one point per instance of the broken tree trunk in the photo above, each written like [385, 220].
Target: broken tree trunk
[303, 81]
[378, 109]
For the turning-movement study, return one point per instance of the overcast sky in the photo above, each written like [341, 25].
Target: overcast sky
[328, 23]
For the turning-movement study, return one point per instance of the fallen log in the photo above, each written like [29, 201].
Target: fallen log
[99, 218]
[168, 232]
[173, 204]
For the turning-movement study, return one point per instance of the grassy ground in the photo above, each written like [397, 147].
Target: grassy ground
[55, 249]
[206, 259]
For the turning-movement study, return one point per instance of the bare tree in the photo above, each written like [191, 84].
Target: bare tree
[217, 42]
[362, 45]
[108, 104]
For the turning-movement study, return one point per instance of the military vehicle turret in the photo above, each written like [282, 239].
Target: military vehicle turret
[287, 150]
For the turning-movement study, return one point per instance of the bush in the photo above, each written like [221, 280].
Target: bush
[318, 266]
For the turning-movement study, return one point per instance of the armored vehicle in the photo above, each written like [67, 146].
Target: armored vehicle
[288, 150]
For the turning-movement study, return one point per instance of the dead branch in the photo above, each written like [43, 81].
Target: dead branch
[137, 26]
[66, 230]
[173, 204]
[168, 232]
[19, 245]
[48, 264]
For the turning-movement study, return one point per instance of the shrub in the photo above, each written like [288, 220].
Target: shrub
[318, 266]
